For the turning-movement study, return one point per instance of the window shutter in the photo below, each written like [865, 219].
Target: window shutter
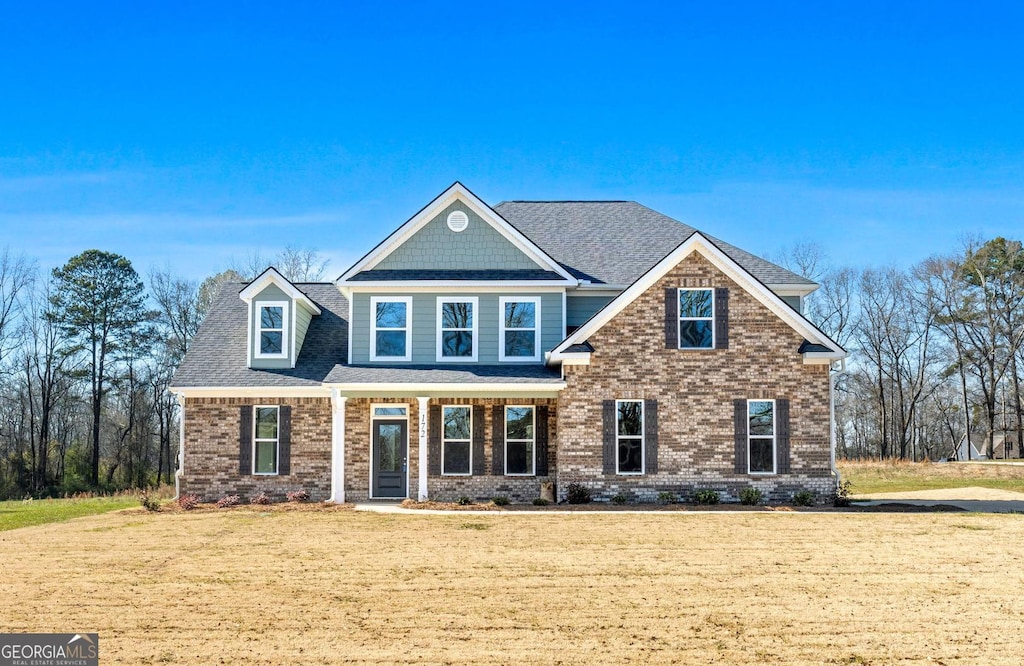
[433, 440]
[245, 440]
[498, 440]
[608, 418]
[542, 440]
[782, 435]
[740, 424]
[650, 436]
[671, 321]
[479, 434]
[284, 440]
[721, 318]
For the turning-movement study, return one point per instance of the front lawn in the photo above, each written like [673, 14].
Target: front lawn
[23, 513]
[880, 477]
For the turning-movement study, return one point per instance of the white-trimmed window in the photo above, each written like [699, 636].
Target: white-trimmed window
[520, 441]
[457, 440]
[456, 329]
[519, 339]
[272, 329]
[629, 436]
[390, 328]
[696, 318]
[265, 440]
[761, 436]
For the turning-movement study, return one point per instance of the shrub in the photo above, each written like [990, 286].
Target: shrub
[188, 502]
[751, 496]
[842, 496]
[577, 493]
[463, 501]
[619, 499]
[667, 497]
[260, 499]
[500, 500]
[803, 498]
[151, 503]
[707, 497]
[540, 501]
[298, 496]
[228, 500]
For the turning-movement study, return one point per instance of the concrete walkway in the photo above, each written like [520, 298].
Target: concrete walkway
[981, 500]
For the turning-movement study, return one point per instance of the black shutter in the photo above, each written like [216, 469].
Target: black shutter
[542, 440]
[434, 440]
[740, 425]
[498, 440]
[245, 440]
[721, 318]
[650, 436]
[479, 435]
[608, 419]
[782, 435]
[671, 319]
[284, 440]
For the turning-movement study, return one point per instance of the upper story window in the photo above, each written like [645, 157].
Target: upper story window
[629, 436]
[761, 436]
[520, 329]
[272, 330]
[696, 318]
[456, 329]
[265, 440]
[520, 456]
[390, 329]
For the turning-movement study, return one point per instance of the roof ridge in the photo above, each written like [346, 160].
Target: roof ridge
[566, 201]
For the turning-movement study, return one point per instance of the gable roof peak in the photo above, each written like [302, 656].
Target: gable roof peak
[273, 276]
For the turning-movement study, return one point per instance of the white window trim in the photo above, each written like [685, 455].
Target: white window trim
[533, 467]
[681, 318]
[374, 300]
[277, 441]
[445, 441]
[475, 301]
[643, 439]
[502, 302]
[258, 324]
[773, 438]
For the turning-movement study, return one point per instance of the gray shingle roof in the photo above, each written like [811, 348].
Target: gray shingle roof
[217, 354]
[495, 274]
[615, 242]
[444, 374]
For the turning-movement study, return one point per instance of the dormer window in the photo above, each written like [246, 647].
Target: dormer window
[272, 332]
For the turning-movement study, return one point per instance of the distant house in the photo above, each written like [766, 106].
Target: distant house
[1006, 446]
[482, 351]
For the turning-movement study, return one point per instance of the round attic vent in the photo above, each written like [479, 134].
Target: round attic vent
[458, 221]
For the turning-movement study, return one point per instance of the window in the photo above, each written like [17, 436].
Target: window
[629, 436]
[390, 329]
[456, 442]
[520, 337]
[456, 329]
[271, 339]
[389, 411]
[761, 436]
[696, 318]
[519, 441]
[265, 441]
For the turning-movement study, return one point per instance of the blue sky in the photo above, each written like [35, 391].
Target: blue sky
[192, 133]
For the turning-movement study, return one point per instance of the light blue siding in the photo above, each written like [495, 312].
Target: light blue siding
[579, 309]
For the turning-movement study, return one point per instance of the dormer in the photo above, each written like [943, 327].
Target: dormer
[279, 316]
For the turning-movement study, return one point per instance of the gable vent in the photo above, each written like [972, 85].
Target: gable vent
[458, 221]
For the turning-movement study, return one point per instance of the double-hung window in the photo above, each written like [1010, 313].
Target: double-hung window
[629, 436]
[272, 331]
[520, 329]
[456, 329]
[696, 318]
[520, 458]
[265, 440]
[457, 442]
[761, 436]
[390, 329]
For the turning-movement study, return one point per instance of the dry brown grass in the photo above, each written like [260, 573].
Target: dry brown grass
[293, 587]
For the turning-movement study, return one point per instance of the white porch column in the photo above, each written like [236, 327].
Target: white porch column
[337, 447]
[422, 492]
[181, 445]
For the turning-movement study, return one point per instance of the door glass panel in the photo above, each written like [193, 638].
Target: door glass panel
[389, 447]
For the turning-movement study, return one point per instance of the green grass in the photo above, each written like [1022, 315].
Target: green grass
[875, 477]
[17, 513]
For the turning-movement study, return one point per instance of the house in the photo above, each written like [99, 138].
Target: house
[481, 351]
[1005, 446]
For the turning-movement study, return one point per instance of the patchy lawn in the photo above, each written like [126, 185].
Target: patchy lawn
[19, 513]
[315, 587]
[880, 477]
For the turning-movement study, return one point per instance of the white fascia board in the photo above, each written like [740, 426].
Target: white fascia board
[252, 391]
[823, 358]
[459, 388]
[465, 285]
[793, 289]
[457, 191]
[271, 276]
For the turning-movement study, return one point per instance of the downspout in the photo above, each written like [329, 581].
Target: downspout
[181, 445]
[833, 373]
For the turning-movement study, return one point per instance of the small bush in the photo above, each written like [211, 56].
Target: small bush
[188, 502]
[751, 496]
[298, 496]
[540, 501]
[148, 501]
[803, 498]
[500, 500]
[707, 497]
[667, 497]
[619, 499]
[228, 500]
[842, 496]
[577, 493]
[260, 499]
[463, 501]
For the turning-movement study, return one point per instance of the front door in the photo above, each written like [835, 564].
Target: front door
[390, 457]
